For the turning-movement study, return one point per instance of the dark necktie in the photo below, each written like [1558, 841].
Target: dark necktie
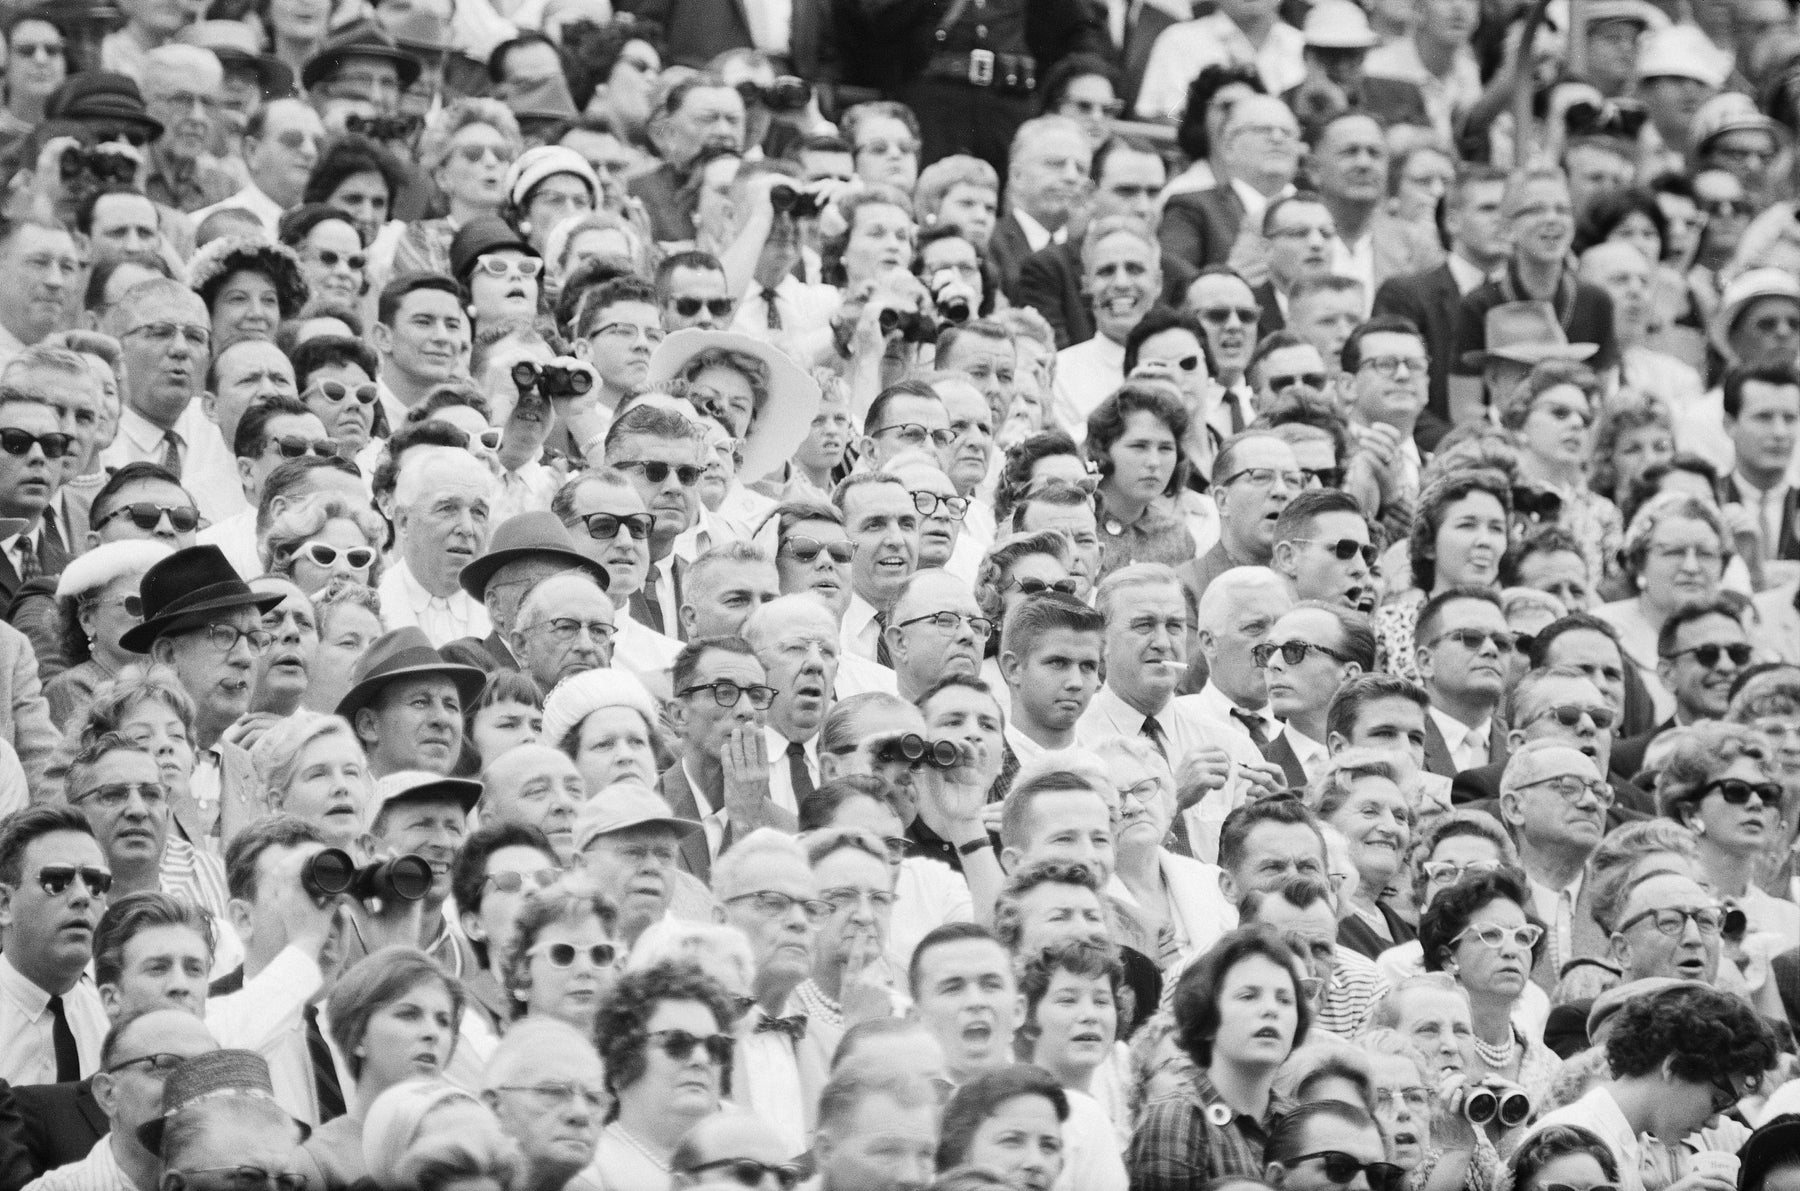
[325, 1077]
[28, 558]
[62, 1042]
[798, 774]
[794, 1027]
[52, 556]
[772, 310]
[1253, 724]
[1234, 406]
[171, 456]
[653, 602]
[881, 645]
[1153, 732]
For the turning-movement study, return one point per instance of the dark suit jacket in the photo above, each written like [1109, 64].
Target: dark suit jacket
[660, 191]
[1007, 250]
[644, 612]
[52, 557]
[1198, 574]
[1050, 282]
[1788, 545]
[699, 30]
[1142, 28]
[61, 1122]
[696, 857]
[1786, 970]
[1437, 751]
[1281, 753]
[489, 653]
[16, 1165]
[1272, 319]
[1430, 300]
[1390, 101]
[1200, 226]
[1628, 754]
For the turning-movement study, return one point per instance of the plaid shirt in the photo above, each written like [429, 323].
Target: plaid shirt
[1177, 1148]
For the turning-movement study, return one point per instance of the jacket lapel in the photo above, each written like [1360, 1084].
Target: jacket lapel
[695, 855]
[1437, 751]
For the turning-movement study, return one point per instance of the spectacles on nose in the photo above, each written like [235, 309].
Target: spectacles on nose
[499, 266]
[253, 1178]
[1495, 936]
[560, 1092]
[1324, 477]
[19, 442]
[949, 622]
[1032, 587]
[324, 554]
[1673, 920]
[1708, 655]
[656, 471]
[805, 551]
[930, 504]
[113, 795]
[1388, 367]
[45, 49]
[197, 338]
[604, 527]
[543, 878]
[55, 879]
[562, 955]
[1292, 652]
[473, 154]
[1572, 788]
[1264, 477]
[1344, 549]
[1312, 380]
[1475, 640]
[1738, 792]
[1340, 1168]
[915, 435]
[157, 1064]
[1218, 316]
[1570, 715]
[224, 638]
[1450, 870]
[631, 331]
[717, 307]
[565, 629]
[147, 515]
[727, 693]
[680, 1045]
[336, 391]
[354, 261]
[776, 904]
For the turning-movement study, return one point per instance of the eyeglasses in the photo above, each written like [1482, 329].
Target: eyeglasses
[543, 878]
[1572, 788]
[560, 1092]
[1673, 920]
[949, 622]
[1704, 555]
[562, 955]
[656, 471]
[474, 153]
[1292, 652]
[40, 49]
[631, 331]
[751, 1173]
[224, 637]
[1493, 935]
[353, 261]
[1340, 1168]
[1312, 380]
[1143, 792]
[717, 307]
[884, 148]
[565, 629]
[1475, 640]
[499, 266]
[1324, 477]
[336, 392]
[147, 515]
[915, 435]
[197, 337]
[727, 693]
[293, 446]
[116, 794]
[804, 550]
[1737, 791]
[680, 1045]
[1416, 1098]
[1724, 1094]
[1264, 477]
[1708, 655]
[776, 904]
[1032, 587]
[845, 898]
[1218, 316]
[1451, 871]
[54, 879]
[1389, 367]
[929, 504]
[252, 1178]
[1344, 549]
[604, 527]
[19, 442]
[324, 554]
[160, 1063]
[1570, 716]
[1727, 208]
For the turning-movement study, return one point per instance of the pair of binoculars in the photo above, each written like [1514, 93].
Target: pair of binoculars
[385, 128]
[551, 380]
[331, 872]
[787, 200]
[916, 750]
[102, 167]
[1510, 1105]
[786, 94]
[913, 326]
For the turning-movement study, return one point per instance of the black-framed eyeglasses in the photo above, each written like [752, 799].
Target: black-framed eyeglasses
[1324, 477]
[147, 515]
[1673, 920]
[1292, 652]
[1570, 715]
[727, 693]
[845, 898]
[1572, 788]
[929, 504]
[1708, 655]
[19, 442]
[160, 1063]
[913, 434]
[543, 878]
[1737, 791]
[656, 471]
[557, 1093]
[252, 1178]
[116, 794]
[680, 1045]
[562, 955]
[1218, 316]
[750, 1172]
[1340, 1168]
[354, 261]
[55, 879]
[775, 904]
[224, 637]
[949, 622]
[336, 391]
[717, 307]
[1344, 549]
[805, 550]
[1388, 367]
[604, 527]
[1475, 640]
[1265, 477]
[1032, 587]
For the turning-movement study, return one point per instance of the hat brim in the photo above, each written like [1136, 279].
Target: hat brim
[1720, 332]
[273, 76]
[1531, 353]
[782, 424]
[679, 826]
[138, 638]
[319, 67]
[477, 574]
[467, 793]
[468, 679]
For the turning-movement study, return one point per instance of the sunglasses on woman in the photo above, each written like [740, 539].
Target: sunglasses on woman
[1737, 791]
[562, 955]
[324, 554]
[500, 266]
[353, 261]
[1031, 587]
[680, 1045]
[336, 391]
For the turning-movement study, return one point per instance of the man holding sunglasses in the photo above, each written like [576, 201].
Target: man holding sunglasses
[1464, 650]
[53, 887]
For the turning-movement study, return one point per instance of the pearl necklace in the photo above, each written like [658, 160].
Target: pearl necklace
[639, 1146]
[1496, 1057]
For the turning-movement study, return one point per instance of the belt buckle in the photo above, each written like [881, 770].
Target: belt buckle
[981, 67]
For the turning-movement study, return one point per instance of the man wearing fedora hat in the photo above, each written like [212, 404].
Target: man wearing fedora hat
[406, 704]
[360, 64]
[524, 551]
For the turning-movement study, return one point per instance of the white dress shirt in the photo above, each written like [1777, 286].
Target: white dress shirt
[712, 819]
[927, 894]
[1108, 715]
[1087, 373]
[1210, 712]
[781, 776]
[10, 346]
[526, 489]
[640, 648]
[1766, 504]
[659, 585]
[249, 199]
[770, 24]
[99, 1171]
[858, 676]
[209, 469]
[1556, 910]
[268, 1016]
[1037, 236]
[1092, 1159]
[766, 1080]
[860, 632]
[443, 619]
[1466, 275]
[1311, 753]
[27, 1051]
[1183, 50]
[1029, 751]
[140, 440]
[1468, 746]
[392, 406]
[236, 539]
[803, 311]
[1599, 1114]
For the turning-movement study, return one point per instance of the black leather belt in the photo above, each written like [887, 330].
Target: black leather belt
[985, 68]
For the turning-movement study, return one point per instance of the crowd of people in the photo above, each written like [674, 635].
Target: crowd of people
[986, 595]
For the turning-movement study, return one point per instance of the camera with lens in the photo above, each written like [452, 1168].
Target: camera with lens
[801, 204]
[915, 750]
[332, 872]
[97, 166]
[954, 298]
[913, 326]
[384, 128]
[1509, 1104]
[551, 380]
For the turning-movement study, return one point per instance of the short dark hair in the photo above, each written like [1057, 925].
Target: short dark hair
[387, 308]
[1546, 1145]
[692, 259]
[1196, 997]
[496, 63]
[1234, 834]
[1574, 622]
[1298, 517]
[133, 913]
[1007, 927]
[1546, 539]
[1739, 375]
[1347, 705]
[818, 809]
[1035, 616]
[1449, 913]
[873, 420]
[1706, 1035]
[1432, 610]
[253, 426]
[1106, 425]
[347, 157]
[1287, 1140]
[629, 288]
[977, 1100]
[1158, 319]
[24, 828]
[123, 477]
[681, 672]
[468, 872]
[943, 936]
[248, 845]
[1350, 357]
[327, 351]
[626, 1011]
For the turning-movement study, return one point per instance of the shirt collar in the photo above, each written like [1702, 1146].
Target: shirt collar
[21, 989]
[1465, 274]
[1036, 234]
[141, 431]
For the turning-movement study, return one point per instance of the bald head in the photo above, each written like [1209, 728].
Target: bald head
[724, 1136]
[785, 614]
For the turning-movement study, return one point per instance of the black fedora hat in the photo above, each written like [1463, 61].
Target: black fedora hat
[183, 589]
[209, 1076]
[361, 39]
[404, 653]
[538, 534]
[102, 97]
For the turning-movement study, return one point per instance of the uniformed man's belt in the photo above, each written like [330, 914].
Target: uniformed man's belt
[984, 68]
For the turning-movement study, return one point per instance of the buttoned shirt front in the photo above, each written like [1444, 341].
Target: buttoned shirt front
[781, 774]
[1556, 910]
[27, 1048]
[268, 1016]
[766, 1080]
[1037, 235]
[139, 440]
[1108, 715]
[99, 1171]
[1767, 504]
[1211, 711]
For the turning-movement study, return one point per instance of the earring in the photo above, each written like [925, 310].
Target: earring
[1700, 828]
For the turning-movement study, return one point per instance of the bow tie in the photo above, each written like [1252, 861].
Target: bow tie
[794, 1027]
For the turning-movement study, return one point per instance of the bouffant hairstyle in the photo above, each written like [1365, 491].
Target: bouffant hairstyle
[622, 1025]
[1449, 913]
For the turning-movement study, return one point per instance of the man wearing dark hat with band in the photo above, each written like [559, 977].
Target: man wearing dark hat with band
[406, 704]
[360, 66]
[202, 619]
[523, 552]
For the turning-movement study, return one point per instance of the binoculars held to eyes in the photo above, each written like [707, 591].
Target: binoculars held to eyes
[786, 94]
[551, 380]
[801, 204]
[913, 326]
[385, 128]
[98, 166]
[1509, 1104]
[916, 750]
[331, 872]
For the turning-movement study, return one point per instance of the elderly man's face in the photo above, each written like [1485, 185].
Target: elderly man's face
[444, 529]
[1767, 332]
[567, 632]
[635, 869]
[1642, 945]
[130, 1090]
[1542, 812]
[127, 805]
[782, 937]
[557, 1132]
[416, 723]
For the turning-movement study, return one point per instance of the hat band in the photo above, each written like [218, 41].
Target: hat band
[220, 1093]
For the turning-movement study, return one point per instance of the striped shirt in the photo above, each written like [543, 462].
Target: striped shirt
[194, 876]
[1357, 986]
[99, 1171]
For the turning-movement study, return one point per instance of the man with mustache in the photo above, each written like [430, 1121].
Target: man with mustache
[1464, 648]
[442, 503]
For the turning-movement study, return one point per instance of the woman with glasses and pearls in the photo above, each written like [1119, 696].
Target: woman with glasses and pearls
[561, 960]
[1551, 415]
[1719, 781]
[394, 1017]
[664, 1037]
[853, 979]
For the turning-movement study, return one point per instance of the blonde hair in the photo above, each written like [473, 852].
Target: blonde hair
[434, 146]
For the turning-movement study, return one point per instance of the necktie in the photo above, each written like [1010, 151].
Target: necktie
[772, 311]
[794, 1027]
[798, 774]
[325, 1077]
[52, 556]
[1153, 732]
[28, 558]
[62, 1042]
[1564, 942]
[881, 645]
[1253, 724]
[1234, 405]
[652, 602]
[171, 456]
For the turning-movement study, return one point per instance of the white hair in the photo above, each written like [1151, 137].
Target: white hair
[520, 1053]
[535, 599]
[764, 841]
[1236, 586]
[722, 952]
[447, 466]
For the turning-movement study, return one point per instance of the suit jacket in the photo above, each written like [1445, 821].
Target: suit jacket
[16, 1165]
[1430, 300]
[696, 856]
[489, 653]
[52, 557]
[650, 615]
[699, 30]
[1787, 545]
[1007, 250]
[1050, 282]
[1200, 226]
[1786, 970]
[1585, 939]
[60, 1122]
[1196, 575]
[1400, 248]
[1281, 753]
[1437, 750]
[1272, 319]
[1628, 754]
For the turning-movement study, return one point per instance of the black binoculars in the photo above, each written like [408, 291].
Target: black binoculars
[1511, 1106]
[785, 94]
[913, 326]
[102, 167]
[384, 128]
[954, 309]
[551, 380]
[331, 872]
[916, 750]
[801, 204]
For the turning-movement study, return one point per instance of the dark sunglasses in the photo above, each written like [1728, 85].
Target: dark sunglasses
[357, 558]
[293, 446]
[1324, 477]
[751, 1173]
[1292, 652]
[1312, 380]
[562, 955]
[147, 515]
[19, 442]
[680, 1045]
[543, 878]
[1345, 549]
[1737, 791]
[804, 550]
[656, 471]
[55, 879]
[132, 135]
[1031, 587]
[1220, 315]
[1569, 715]
[1708, 655]
[329, 258]
[1532, 503]
[336, 391]
[1474, 639]
[604, 527]
[1340, 1168]
[717, 307]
